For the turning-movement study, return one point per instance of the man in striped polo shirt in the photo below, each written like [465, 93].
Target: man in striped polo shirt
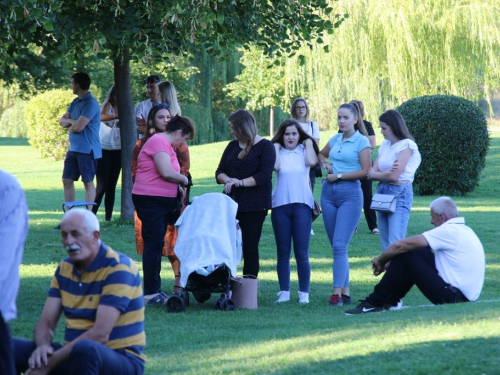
[99, 292]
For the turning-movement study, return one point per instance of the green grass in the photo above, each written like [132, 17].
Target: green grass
[285, 338]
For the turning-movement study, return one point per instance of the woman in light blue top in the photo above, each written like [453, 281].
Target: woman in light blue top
[292, 204]
[341, 195]
[397, 161]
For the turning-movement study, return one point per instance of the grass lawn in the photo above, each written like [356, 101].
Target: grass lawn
[285, 338]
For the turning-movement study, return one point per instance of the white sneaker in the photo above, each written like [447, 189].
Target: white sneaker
[303, 297]
[312, 232]
[284, 296]
[399, 306]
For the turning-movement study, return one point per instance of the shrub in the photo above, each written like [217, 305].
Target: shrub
[42, 118]
[12, 122]
[453, 139]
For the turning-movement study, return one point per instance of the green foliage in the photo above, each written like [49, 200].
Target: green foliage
[452, 137]
[12, 122]
[43, 113]
[203, 121]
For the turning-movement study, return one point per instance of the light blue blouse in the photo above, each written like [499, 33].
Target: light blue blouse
[344, 156]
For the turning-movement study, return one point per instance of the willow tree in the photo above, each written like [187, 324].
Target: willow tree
[389, 51]
[125, 30]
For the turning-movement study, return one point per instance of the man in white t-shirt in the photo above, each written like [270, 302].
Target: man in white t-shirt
[142, 109]
[446, 263]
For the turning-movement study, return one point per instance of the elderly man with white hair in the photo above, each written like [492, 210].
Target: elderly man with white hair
[99, 292]
[446, 263]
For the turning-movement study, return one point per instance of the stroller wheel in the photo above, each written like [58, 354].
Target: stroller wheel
[227, 304]
[175, 304]
[217, 304]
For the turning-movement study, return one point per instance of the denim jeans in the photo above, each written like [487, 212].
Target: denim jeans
[341, 203]
[155, 214]
[86, 358]
[293, 222]
[393, 226]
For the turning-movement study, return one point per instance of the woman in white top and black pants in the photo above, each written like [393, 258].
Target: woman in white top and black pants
[397, 161]
[300, 112]
[292, 203]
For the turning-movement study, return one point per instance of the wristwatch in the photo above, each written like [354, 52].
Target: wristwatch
[339, 176]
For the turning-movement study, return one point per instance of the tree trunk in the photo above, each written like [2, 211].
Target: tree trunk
[128, 129]
[271, 121]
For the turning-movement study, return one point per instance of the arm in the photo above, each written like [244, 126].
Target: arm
[323, 156]
[395, 172]
[44, 333]
[164, 168]
[106, 318]
[373, 141]
[366, 163]
[277, 163]
[399, 247]
[104, 113]
[74, 126]
[311, 157]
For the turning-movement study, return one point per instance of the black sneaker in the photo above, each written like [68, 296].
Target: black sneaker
[363, 308]
[346, 300]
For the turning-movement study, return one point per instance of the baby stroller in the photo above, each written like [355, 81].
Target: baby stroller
[209, 249]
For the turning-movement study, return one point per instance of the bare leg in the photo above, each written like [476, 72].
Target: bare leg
[89, 192]
[69, 190]
[176, 267]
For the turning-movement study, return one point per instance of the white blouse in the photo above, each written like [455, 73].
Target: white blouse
[292, 179]
[387, 155]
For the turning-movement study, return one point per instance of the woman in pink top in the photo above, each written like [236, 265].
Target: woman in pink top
[155, 191]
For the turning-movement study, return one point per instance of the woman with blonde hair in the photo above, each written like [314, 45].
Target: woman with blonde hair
[168, 94]
[245, 169]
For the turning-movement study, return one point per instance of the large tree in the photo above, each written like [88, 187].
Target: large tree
[125, 30]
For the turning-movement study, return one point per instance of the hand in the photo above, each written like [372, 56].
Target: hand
[331, 178]
[395, 165]
[306, 142]
[370, 173]
[184, 181]
[327, 166]
[40, 356]
[67, 115]
[39, 371]
[228, 185]
[377, 266]
[141, 121]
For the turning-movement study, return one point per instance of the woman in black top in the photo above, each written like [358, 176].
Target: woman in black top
[246, 169]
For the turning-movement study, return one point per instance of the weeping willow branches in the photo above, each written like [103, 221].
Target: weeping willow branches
[389, 51]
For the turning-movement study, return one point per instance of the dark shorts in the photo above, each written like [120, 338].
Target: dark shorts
[79, 164]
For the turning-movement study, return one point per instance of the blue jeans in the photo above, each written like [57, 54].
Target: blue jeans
[341, 203]
[393, 226]
[293, 221]
[86, 358]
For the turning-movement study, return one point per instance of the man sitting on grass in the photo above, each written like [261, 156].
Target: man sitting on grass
[99, 291]
[446, 263]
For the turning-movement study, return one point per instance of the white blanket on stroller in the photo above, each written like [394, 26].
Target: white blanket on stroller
[209, 235]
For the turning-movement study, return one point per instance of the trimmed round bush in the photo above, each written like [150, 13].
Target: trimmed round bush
[43, 113]
[12, 122]
[452, 136]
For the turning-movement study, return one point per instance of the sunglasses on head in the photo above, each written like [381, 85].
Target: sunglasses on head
[161, 105]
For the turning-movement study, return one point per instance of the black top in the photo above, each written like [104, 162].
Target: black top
[369, 127]
[259, 164]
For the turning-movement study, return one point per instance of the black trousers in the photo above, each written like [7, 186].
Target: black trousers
[108, 171]
[155, 214]
[370, 215]
[7, 366]
[418, 268]
[251, 229]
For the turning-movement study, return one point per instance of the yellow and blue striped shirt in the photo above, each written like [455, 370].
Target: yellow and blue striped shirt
[112, 280]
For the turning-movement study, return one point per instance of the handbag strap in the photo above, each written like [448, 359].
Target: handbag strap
[403, 189]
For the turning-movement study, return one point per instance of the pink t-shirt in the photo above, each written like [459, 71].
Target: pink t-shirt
[147, 180]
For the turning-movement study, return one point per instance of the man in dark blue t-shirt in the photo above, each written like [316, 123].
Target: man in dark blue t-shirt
[83, 120]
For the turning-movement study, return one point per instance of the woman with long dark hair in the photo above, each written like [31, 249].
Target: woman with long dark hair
[296, 153]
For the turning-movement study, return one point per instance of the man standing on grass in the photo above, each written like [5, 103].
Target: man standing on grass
[83, 120]
[446, 263]
[13, 231]
[142, 109]
[99, 292]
